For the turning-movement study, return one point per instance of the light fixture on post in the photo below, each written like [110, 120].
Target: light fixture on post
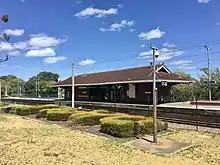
[155, 55]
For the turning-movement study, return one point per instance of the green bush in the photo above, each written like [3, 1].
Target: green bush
[2, 104]
[43, 112]
[87, 118]
[59, 115]
[129, 125]
[146, 126]
[47, 106]
[102, 111]
[23, 110]
[118, 128]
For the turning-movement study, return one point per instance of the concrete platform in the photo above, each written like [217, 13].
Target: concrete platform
[164, 147]
[188, 105]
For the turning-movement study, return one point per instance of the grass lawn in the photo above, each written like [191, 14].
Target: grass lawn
[30, 142]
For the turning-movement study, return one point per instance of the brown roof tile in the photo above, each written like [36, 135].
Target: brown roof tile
[125, 75]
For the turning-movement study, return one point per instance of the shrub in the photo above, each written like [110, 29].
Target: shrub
[146, 126]
[59, 115]
[129, 125]
[47, 106]
[2, 104]
[87, 118]
[22, 110]
[118, 128]
[43, 112]
[102, 111]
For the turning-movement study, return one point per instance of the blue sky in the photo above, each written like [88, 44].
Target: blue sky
[98, 36]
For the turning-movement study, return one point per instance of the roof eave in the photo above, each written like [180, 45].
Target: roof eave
[124, 82]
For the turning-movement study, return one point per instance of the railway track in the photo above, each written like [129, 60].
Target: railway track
[190, 122]
[204, 118]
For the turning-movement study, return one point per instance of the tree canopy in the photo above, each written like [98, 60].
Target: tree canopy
[39, 85]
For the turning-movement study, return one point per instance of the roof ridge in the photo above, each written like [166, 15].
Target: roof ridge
[119, 70]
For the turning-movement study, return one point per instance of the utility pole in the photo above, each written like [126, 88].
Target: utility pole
[209, 75]
[73, 94]
[59, 89]
[37, 87]
[155, 55]
[6, 90]
[0, 92]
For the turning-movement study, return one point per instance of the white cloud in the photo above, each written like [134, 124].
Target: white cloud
[204, 1]
[14, 53]
[90, 11]
[79, 2]
[181, 62]
[5, 46]
[168, 45]
[52, 60]
[15, 32]
[22, 1]
[143, 45]
[131, 30]
[41, 53]
[120, 5]
[165, 54]
[22, 45]
[42, 40]
[155, 33]
[187, 67]
[87, 62]
[147, 54]
[119, 26]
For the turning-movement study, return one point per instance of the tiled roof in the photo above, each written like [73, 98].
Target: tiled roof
[141, 74]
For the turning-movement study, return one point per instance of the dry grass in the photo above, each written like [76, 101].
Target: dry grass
[30, 142]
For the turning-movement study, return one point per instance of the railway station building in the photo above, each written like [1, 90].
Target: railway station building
[132, 86]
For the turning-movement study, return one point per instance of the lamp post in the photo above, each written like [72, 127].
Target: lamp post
[73, 93]
[155, 55]
[209, 76]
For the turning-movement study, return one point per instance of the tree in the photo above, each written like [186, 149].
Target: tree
[40, 85]
[184, 92]
[4, 36]
[13, 84]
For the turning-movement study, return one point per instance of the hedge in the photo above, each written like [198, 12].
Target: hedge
[146, 126]
[48, 106]
[59, 115]
[24, 110]
[87, 118]
[129, 125]
[102, 111]
[43, 112]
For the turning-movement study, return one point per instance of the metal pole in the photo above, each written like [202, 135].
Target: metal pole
[154, 99]
[73, 90]
[36, 88]
[0, 91]
[209, 76]
[6, 90]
